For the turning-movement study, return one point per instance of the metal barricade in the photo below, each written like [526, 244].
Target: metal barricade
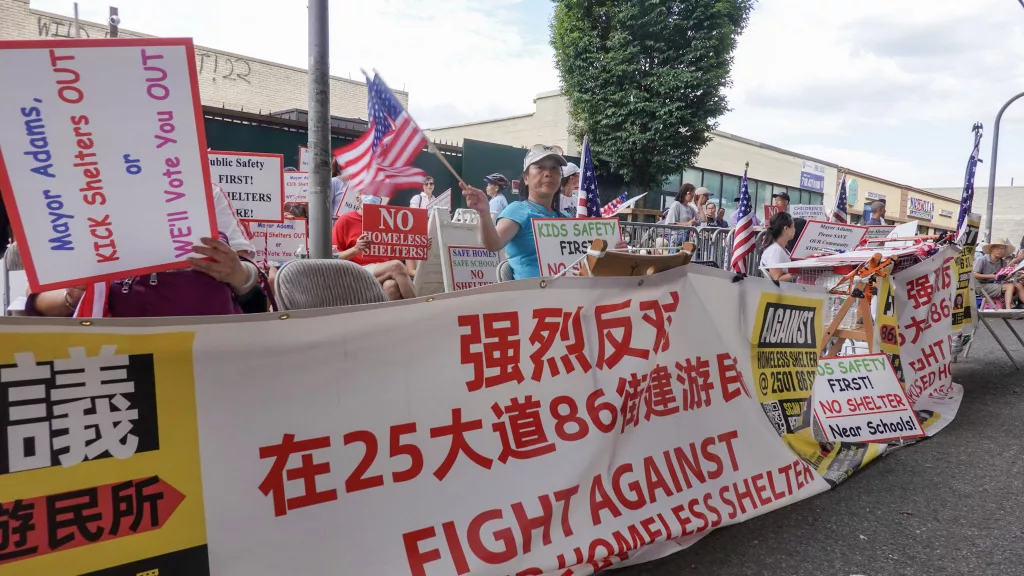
[656, 238]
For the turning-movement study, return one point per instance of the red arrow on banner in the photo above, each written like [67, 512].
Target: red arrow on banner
[45, 524]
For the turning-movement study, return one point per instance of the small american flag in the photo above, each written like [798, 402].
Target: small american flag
[967, 198]
[839, 212]
[609, 209]
[590, 200]
[379, 162]
[743, 244]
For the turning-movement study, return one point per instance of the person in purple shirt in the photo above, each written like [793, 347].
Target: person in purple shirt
[732, 219]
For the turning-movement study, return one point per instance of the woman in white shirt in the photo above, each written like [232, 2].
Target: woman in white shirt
[424, 198]
[774, 258]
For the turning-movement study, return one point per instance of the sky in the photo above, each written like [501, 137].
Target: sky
[886, 87]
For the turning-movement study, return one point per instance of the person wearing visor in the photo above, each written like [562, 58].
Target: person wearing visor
[354, 246]
[513, 230]
[496, 184]
[570, 189]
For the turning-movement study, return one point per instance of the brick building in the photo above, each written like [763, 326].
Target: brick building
[225, 79]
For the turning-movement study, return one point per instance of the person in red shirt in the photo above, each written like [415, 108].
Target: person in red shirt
[354, 246]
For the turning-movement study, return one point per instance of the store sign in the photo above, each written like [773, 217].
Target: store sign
[946, 213]
[852, 191]
[875, 196]
[920, 208]
[812, 177]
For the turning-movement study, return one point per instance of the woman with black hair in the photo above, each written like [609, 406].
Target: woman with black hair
[782, 229]
[681, 212]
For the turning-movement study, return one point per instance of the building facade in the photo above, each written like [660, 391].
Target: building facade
[226, 80]
[719, 168]
[1007, 213]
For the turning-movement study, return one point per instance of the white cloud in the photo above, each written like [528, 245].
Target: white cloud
[889, 88]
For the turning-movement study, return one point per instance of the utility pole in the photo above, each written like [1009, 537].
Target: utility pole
[992, 168]
[78, 31]
[113, 21]
[319, 242]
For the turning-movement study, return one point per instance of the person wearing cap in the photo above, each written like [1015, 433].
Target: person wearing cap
[734, 219]
[877, 214]
[513, 230]
[782, 201]
[700, 200]
[570, 186]
[986, 271]
[495, 191]
[354, 246]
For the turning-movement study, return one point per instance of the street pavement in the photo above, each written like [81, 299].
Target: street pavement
[950, 505]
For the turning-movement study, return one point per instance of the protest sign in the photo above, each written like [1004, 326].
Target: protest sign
[103, 167]
[877, 232]
[444, 200]
[825, 237]
[254, 182]
[808, 212]
[531, 387]
[859, 399]
[77, 494]
[924, 306]
[296, 187]
[279, 241]
[305, 159]
[562, 242]
[396, 231]
[349, 202]
[769, 211]
[472, 266]
[964, 304]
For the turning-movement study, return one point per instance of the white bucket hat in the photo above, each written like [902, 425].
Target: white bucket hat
[987, 248]
[539, 152]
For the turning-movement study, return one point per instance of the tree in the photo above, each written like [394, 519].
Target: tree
[646, 79]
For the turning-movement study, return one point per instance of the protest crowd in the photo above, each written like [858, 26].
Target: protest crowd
[227, 233]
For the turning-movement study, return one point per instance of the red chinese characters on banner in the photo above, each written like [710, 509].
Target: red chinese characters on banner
[459, 445]
[522, 435]
[307, 471]
[926, 301]
[493, 350]
[567, 327]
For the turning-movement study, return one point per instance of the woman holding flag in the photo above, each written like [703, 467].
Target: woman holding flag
[513, 230]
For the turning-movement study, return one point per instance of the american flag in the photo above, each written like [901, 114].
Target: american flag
[839, 212]
[590, 200]
[379, 162]
[743, 244]
[967, 198]
[609, 209]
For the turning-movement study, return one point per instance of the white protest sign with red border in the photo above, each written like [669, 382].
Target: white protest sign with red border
[396, 232]
[349, 202]
[860, 399]
[103, 164]
[877, 232]
[278, 242]
[253, 181]
[562, 242]
[827, 237]
[924, 306]
[472, 267]
[808, 211]
[296, 187]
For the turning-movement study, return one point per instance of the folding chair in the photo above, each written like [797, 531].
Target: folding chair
[996, 313]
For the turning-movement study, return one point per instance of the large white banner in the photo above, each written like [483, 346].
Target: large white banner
[924, 305]
[102, 157]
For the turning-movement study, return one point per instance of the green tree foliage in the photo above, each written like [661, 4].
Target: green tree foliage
[646, 79]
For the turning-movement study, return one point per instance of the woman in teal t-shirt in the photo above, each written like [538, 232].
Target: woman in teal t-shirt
[513, 231]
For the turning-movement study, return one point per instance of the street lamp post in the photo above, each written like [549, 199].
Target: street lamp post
[992, 168]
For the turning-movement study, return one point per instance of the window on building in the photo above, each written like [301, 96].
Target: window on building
[814, 198]
[693, 176]
[764, 197]
[713, 182]
[730, 192]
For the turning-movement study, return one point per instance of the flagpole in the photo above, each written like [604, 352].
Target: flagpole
[318, 244]
[430, 145]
